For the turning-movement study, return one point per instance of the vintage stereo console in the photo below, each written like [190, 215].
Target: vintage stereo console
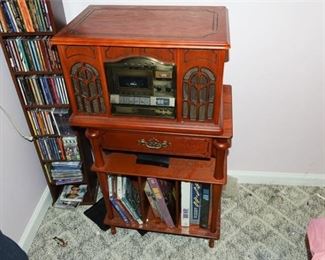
[149, 80]
[141, 86]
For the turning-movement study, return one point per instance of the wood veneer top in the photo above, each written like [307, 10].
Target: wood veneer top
[148, 26]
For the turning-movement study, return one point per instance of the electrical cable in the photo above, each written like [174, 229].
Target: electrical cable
[26, 137]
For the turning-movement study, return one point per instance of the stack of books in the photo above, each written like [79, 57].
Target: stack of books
[65, 172]
[71, 196]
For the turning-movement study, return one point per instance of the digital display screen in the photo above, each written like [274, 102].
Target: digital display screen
[133, 82]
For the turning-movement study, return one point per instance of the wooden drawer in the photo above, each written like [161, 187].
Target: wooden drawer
[157, 143]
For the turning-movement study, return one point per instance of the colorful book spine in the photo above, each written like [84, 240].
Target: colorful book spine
[152, 200]
[185, 203]
[131, 210]
[119, 187]
[161, 204]
[131, 196]
[25, 15]
[119, 209]
[195, 203]
[4, 27]
[32, 54]
[205, 205]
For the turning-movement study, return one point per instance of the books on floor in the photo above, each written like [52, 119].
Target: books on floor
[71, 196]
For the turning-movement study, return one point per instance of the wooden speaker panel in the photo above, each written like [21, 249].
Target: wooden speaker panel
[200, 77]
[87, 84]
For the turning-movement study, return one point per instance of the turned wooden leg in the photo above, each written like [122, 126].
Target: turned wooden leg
[113, 230]
[102, 177]
[216, 200]
[211, 243]
[94, 137]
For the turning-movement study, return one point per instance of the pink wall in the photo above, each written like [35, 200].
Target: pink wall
[21, 178]
[277, 71]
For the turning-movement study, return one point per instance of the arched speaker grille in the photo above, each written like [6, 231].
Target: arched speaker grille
[87, 88]
[198, 94]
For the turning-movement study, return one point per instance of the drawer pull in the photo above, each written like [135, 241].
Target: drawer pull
[153, 143]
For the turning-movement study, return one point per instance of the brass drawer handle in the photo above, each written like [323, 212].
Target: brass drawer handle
[153, 143]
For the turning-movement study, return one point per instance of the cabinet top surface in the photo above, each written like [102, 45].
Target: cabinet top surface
[156, 26]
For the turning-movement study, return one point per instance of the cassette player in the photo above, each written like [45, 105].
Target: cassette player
[142, 86]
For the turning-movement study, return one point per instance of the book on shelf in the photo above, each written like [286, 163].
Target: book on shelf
[71, 149]
[51, 148]
[32, 54]
[195, 203]
[43, 90]
[73, 193]
[3, 22]
[120, 210]
[25, 16]
[205, 205]
[42, 121]
[9, 18]
[116, 203]
[185, 203]
[119, 187]
[65, 172]
[131, 199]
[165, 199]
[152, 200]
[61, 119]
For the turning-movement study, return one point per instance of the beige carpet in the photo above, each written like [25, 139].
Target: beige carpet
[258, 222]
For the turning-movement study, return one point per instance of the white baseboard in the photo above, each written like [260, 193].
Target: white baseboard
[279, 178]
[35, 221]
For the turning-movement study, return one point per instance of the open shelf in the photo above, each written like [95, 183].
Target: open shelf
[159, 226]
[194, 170]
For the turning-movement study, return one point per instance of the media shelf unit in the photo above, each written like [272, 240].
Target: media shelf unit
[25, 31]
[195, 132]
